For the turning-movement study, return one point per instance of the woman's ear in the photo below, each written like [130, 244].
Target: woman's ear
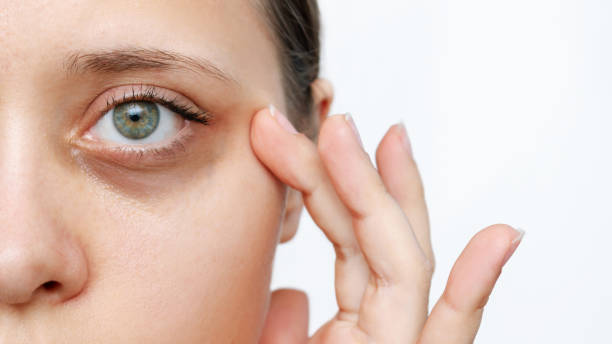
[322, 96]
[293, 210]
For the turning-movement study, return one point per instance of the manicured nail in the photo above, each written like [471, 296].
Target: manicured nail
[404, 137]
[520, 233]
[281, 119]
[349, 118]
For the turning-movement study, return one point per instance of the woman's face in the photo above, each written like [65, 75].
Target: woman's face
[102, 241]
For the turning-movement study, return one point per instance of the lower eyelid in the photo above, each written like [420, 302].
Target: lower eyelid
[141, 156]
[170, 151]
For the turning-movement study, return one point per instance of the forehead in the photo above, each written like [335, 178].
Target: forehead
[230, 33]
[149, 20]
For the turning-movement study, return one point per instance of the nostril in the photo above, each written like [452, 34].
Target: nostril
[51, 285]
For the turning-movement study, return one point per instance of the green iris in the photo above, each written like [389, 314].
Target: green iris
[136, 120]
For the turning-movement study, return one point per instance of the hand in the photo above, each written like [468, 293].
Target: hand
[378, 224]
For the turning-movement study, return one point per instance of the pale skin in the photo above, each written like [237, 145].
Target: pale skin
[380, 232]
[99, 244]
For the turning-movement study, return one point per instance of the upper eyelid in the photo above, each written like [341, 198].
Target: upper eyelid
[189, 111]
[149, 92]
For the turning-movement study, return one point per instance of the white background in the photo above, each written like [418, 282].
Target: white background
[508, 105]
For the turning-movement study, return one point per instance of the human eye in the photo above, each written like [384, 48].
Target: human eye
[141, 122]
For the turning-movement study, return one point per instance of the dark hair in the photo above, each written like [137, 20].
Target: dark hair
[296, 26]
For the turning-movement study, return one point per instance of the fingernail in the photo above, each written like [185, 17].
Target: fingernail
[349, 118]
[282, 120]
[404, 138]
[520, 233]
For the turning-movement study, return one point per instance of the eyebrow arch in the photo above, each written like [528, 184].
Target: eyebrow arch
[134, 59]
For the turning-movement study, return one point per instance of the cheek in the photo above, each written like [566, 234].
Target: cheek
[197, 264]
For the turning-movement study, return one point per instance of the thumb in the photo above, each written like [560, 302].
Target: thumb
[287, 319]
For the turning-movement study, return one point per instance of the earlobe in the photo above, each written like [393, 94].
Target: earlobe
[293, 210]
[322, 96]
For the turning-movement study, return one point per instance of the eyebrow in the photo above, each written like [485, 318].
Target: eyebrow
[138, 59]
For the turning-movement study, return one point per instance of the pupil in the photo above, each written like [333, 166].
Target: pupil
[134, 118]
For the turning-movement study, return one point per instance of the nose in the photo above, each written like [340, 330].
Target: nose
[41, 259]
[48, 267]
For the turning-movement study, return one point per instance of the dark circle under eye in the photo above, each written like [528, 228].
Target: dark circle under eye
[136, 120]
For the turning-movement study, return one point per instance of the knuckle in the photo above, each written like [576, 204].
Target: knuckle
[421, 275]
[429, 265]
[425, 272]
[344, 252]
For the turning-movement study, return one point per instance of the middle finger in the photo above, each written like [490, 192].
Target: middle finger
[395, 306]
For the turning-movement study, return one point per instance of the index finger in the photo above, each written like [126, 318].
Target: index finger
[294, 159]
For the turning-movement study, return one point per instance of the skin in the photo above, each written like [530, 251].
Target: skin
[178, 247]
[377, 221]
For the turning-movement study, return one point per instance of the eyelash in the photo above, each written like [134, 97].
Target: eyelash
[151, 94]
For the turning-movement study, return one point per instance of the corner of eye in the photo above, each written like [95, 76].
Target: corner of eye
[73, 136]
